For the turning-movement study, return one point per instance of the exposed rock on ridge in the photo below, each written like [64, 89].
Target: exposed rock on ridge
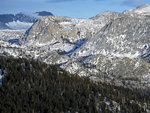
[123, 37]
[57, 29]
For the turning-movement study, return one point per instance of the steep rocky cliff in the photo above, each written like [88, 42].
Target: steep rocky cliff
[52, 29]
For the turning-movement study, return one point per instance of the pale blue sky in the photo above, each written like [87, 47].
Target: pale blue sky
[71, 8]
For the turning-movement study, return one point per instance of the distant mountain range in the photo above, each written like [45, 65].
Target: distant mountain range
[20, 20]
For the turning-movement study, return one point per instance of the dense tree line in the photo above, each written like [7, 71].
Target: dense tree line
[30, 86]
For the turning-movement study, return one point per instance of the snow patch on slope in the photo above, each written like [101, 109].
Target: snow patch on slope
[128, 55]
[19, 25]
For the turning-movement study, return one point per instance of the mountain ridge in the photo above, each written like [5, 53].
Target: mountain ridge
[115, 45]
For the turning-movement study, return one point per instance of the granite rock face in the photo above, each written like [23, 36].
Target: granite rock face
[124, 37]
[52, 29]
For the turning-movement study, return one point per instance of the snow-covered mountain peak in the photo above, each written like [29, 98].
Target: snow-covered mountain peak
[20, 20]
[141, 10]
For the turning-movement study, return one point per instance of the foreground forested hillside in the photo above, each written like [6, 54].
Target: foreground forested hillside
[30, 86]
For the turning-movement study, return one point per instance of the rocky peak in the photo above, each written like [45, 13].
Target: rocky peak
[140, 10]
[107, 14]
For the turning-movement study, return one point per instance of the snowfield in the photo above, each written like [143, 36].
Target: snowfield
[19, 25]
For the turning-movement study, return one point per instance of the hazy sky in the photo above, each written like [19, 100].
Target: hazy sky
[71, 8]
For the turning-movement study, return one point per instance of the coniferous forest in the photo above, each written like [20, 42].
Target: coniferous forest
[30, 86]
